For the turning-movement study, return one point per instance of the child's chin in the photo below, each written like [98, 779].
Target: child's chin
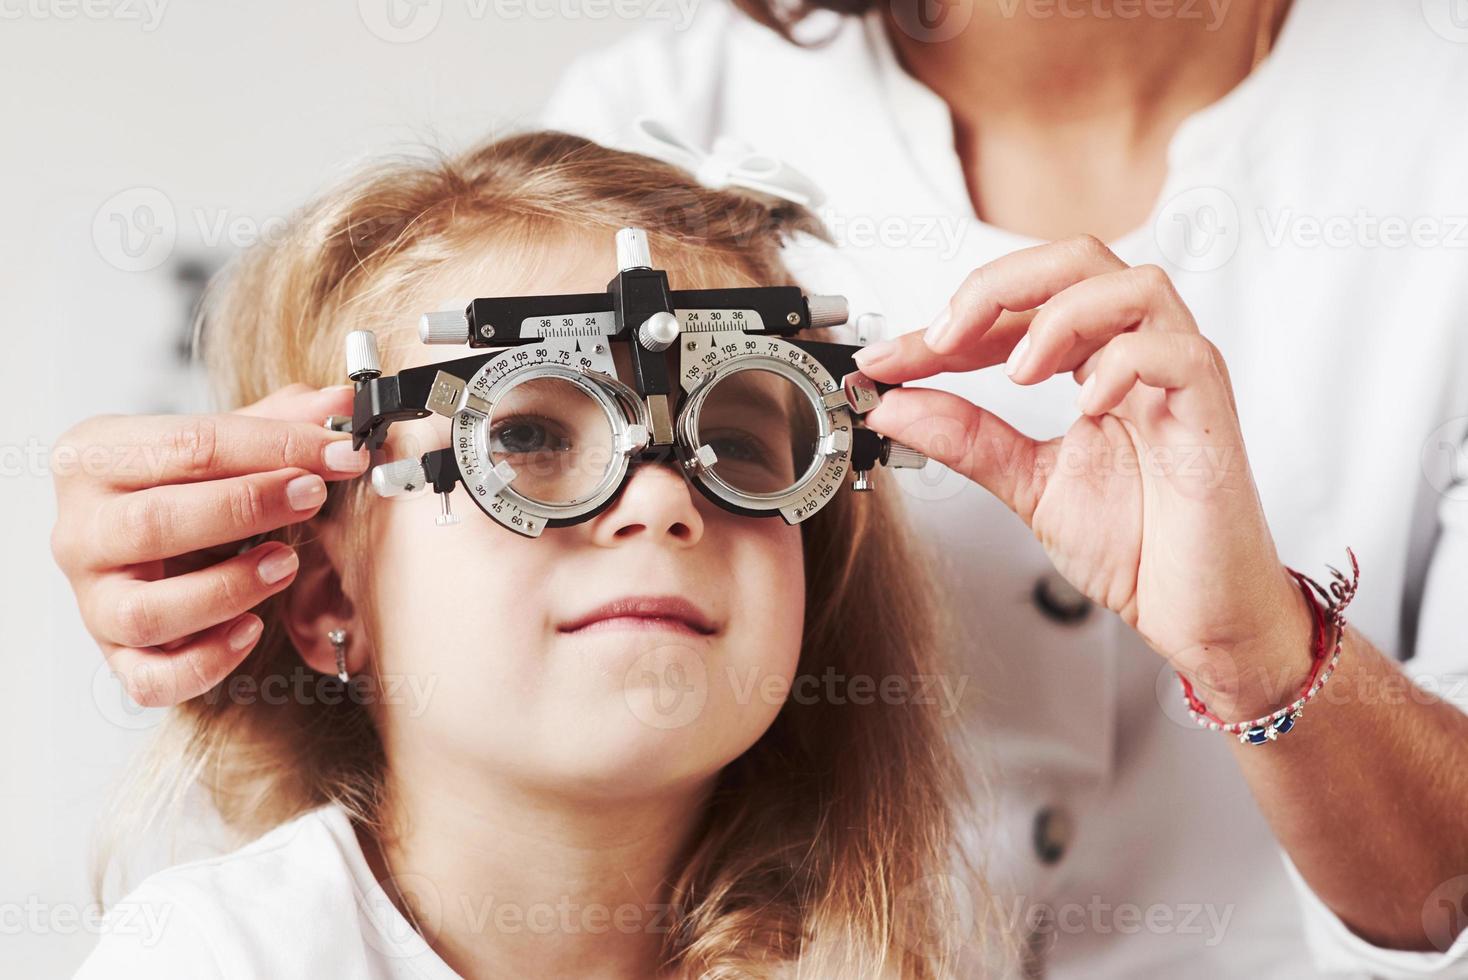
[642, 763]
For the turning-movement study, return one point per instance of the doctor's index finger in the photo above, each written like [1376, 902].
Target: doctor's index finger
[988, 314]
[131, 451]
[1020, 281]
[909, 358]
[302, 403]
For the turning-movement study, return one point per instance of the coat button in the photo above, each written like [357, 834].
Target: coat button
[1060, 601]
[1052, 834]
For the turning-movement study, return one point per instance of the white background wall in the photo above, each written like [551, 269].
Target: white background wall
[186, 118]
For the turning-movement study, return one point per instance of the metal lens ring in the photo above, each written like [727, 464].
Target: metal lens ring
[543, 437]
[755, 428]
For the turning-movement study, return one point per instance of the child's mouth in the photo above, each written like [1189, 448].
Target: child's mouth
[639, 623]
[672, 613]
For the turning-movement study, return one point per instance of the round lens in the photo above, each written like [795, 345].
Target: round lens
[555, 435]
[763, 429]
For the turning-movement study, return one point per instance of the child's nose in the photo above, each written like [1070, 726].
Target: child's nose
[656, 501]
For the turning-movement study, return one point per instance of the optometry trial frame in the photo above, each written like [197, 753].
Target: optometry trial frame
[545, 430]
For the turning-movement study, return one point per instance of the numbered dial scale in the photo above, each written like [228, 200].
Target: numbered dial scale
[575, 389]
[717, 359]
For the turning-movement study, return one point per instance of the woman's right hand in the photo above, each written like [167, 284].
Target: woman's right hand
[151, 511]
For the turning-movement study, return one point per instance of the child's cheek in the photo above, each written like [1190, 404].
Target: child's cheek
[763, 648]
[452, 599]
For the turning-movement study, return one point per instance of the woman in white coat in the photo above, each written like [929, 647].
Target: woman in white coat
[1283, 178]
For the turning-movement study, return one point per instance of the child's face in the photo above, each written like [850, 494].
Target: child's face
[486, 622]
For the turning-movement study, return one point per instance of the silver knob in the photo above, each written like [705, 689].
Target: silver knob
[703, 458]
[861, 481]
[900, 457]
[834, 444]
[635, 439]
[444, 327]
[658, 332]
[398, 477]
[827, 311]
[362, 363]
[632, 249]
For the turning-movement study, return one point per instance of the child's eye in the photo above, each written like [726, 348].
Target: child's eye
[748, 462]
[523, 434]
[735, 445]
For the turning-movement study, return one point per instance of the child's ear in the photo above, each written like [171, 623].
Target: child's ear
[315, 605]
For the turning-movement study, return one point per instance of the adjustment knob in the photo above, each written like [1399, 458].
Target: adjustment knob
[632, 249]
[834, 444]
[362, 363]
[900, 457]
[444, 327]
[827, 311]
[658, 332]
[634, 440]
[398, 477]
[446, 515]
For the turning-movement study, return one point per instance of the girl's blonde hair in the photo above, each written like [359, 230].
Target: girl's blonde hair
[830, 844]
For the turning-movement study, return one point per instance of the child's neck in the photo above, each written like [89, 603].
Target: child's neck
[526, 885]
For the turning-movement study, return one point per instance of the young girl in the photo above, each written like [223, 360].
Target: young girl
[571, 756]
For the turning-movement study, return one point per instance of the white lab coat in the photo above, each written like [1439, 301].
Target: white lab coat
[1280, 222]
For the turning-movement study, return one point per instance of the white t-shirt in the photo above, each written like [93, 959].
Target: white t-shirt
[1316, 222]
[299, 902]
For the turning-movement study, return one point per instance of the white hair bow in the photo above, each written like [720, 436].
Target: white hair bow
[731, 163]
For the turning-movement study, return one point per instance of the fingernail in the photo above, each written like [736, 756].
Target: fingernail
[340, 456]
[1017, 355]
[938, 329]
[245, 632]
[277, 565]
[337, 389]
[1084, 398]
[305, 492]
[875, 354]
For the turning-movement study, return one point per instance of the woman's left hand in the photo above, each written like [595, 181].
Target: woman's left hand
[1147, 504]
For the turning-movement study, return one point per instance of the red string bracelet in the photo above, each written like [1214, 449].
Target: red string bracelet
[1325, 654]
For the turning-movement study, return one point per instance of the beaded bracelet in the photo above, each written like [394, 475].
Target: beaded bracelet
[1328, 620]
